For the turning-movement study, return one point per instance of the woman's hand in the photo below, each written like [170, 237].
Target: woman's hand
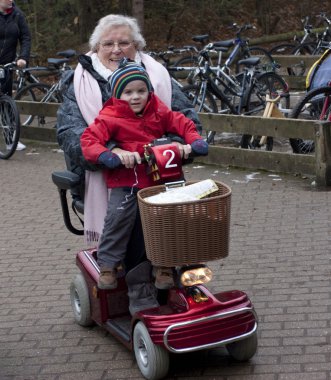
[184, 150]
[128, 159]
[21, 63]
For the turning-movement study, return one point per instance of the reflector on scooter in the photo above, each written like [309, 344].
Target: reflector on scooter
[196, 276]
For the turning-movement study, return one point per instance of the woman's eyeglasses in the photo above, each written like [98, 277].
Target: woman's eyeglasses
[110, 45]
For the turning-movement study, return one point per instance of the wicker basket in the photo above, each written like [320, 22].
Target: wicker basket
[186, 233]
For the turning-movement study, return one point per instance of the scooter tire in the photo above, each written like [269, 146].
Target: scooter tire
[152, 360]
[80, 301]
[244, 349]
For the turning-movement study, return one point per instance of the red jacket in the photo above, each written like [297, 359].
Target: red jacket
[117, 121]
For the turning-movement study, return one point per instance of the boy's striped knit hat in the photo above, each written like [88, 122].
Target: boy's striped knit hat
[127, 72]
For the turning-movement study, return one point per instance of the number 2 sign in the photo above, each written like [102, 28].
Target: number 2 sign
[167, 162]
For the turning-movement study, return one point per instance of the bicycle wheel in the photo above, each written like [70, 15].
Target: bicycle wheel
[285, 49]
[37, 92]
[315, 105]
[25, 95]
[270, 84]
[193, 92]
[304, 49]
[282, 49]
[194, 95]
[266, 60]
[188, 64]
[9, 125]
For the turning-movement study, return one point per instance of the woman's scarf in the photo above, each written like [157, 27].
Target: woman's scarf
[89, 100]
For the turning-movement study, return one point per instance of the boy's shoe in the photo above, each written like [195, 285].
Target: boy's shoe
[163, 278]
[107, 279]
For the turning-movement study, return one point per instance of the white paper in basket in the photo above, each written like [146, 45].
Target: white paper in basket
[187, 193]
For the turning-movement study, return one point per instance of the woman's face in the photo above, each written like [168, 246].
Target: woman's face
[114, 45]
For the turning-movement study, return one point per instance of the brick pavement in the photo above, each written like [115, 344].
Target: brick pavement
[279, 254]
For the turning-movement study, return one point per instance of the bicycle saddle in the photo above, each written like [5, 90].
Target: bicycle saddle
[67, 53]
[57, 61]
[201, 38]
[252, 61]
[226, 43]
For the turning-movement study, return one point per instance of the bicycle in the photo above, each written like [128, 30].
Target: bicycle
[319, 44]
[315, 105]
[241, 50]
[186, 73]
[30, 75]
[9, 120]
[241, 94]
[187, 65]
[177, 72]
[309, 44]
[43, 92]
[288, 48]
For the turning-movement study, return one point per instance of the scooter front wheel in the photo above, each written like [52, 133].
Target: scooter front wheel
[244, 349]
[152, 360]
[80, 301]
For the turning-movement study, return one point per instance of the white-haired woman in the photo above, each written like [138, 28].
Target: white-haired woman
[114, 38]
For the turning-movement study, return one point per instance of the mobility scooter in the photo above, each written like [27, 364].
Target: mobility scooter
[180, 235]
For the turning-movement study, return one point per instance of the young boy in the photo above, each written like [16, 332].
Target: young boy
[132, 117]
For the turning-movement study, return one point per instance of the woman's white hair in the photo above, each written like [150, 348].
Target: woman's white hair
[108, 22]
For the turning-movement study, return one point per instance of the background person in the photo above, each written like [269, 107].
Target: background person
[114, 38]
[13, 30]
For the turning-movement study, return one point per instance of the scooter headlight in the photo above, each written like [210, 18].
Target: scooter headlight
[196, 276]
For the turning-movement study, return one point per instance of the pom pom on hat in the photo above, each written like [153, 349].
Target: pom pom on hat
[127, 72]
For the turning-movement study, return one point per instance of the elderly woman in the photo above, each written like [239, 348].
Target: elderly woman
[114, 38]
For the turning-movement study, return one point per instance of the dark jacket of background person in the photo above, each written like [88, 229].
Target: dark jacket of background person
[14, 29]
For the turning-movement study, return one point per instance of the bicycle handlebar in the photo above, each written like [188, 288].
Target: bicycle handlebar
[324, 17]
[9, 65]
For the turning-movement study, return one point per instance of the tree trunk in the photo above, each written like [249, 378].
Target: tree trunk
[263, 14]
[84, 9]
[138, 12]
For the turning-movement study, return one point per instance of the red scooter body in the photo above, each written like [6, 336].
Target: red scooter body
[181, 324]
[189, 318]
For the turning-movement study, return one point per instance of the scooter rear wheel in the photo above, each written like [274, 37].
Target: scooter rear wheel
[152, 360]
[80, 301]
[244, 349]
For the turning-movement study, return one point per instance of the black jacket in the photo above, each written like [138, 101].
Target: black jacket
[14, 29]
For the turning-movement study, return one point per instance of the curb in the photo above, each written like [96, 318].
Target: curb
[39, 133]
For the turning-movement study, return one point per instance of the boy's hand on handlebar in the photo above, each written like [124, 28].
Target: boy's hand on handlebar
[184, 150]
[198, 147]
[128, 159]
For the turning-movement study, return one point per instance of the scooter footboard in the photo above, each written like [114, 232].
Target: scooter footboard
[211, 331]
